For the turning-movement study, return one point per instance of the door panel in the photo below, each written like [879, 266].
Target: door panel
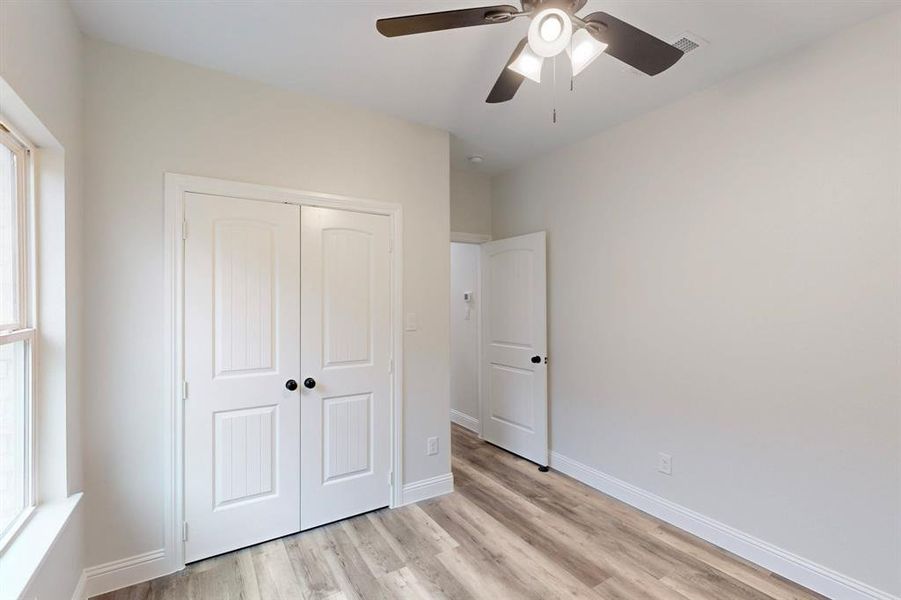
[243, 453]
[346, 428]
[244, 294]
[508, 386]
[242, 343]
[514, 331]
[345, 343]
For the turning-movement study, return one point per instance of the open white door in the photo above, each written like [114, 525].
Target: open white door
[514, 345]
[242, 346]
[346, 364]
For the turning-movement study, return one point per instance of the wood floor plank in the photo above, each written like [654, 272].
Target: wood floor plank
[539, 529]
[543, 573]
[274, 572]
[312, 572]
[352, 573]
[507, 532]
[379, 555]
[403, 584]
[751, 575]
[435, 577]
[641, 588]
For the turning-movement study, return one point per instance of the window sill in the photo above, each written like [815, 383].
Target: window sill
[17, 526]
[24, 555]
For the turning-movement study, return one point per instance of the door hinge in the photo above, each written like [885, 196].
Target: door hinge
[184, 230]
[391, 243]
[184, 390]
[184, 531]
[391, 366]
[391, 478]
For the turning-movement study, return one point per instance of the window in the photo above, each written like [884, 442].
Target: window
[17, 336]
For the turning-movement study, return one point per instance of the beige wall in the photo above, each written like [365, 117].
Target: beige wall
[41, 94]
[464, 333]
[725, 287]
[41, 60]
[470, 202]
[146, 115]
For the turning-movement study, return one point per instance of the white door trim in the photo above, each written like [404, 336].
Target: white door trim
[176, 186]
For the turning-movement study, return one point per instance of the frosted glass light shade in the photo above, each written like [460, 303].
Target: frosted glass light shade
[583, 50]
[528, 64]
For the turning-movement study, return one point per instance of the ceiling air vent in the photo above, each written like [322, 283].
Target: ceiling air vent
[689, 42]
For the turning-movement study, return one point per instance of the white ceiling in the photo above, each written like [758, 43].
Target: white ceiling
[331, 49]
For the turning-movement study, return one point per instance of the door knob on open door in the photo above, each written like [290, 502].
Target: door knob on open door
[291, 385]
[309, 383]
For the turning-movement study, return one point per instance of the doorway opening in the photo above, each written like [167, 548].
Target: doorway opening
[498, 313]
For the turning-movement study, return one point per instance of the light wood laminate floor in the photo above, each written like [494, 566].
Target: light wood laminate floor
[507, 531]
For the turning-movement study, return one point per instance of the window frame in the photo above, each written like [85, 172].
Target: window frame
[24, 329]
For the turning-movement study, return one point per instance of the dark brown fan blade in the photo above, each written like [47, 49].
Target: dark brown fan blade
[632, 45]
[508, 81]
[451, 19]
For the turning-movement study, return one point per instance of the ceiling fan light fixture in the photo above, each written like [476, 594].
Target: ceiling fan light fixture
[528, 64]
[550, 32]
[550, 28]
[583, 50]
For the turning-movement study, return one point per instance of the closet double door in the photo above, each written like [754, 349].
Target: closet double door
[287, 369]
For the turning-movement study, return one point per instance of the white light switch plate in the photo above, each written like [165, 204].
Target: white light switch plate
[411, 323]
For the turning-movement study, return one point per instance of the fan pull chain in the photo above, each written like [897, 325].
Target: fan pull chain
[554, 91]
[572, 77]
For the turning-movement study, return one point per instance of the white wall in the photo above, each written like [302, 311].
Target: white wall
[725, 287]
[470, 202]
[146, 115]
[41, 60]
[41, 93]
[464, 335]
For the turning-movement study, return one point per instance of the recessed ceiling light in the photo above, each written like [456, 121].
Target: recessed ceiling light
[476, 159]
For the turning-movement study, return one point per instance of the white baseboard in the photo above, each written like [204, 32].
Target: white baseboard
[125, 572]
[791, 566]
[464, 420]
[428, 488]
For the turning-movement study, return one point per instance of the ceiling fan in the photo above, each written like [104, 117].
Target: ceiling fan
[554, 28]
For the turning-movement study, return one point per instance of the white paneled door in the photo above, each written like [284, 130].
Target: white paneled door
[514, 345]
[242, 344]
[287, 368]
[346, 364]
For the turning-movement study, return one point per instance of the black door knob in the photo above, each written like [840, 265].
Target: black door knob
[309, 383]
[291, 385]
[536, 359]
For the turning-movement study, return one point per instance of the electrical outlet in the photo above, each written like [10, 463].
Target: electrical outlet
[665, 463]
[432, 446]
